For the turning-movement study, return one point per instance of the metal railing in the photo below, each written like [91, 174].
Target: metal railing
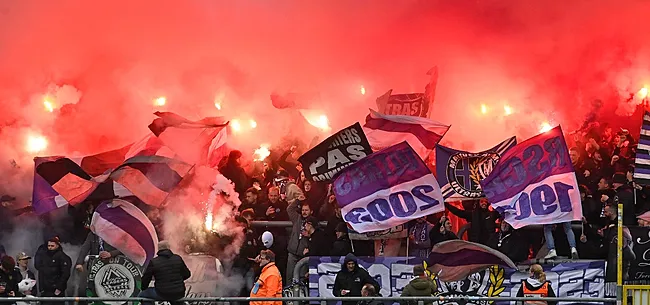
[419, 300]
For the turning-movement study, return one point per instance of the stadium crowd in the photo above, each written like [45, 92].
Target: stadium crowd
[603, 159]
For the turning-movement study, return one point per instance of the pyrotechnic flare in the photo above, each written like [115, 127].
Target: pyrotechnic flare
[217, 105]
[545, 127]
[363, 90]
[484, 109]
[253, 124]
[507, 110]
[262, 152]
[36, 144]
[643, 93]
[236, 126]
[49, 106]
[161, 101]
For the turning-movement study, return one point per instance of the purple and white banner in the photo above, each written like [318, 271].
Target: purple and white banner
[575, 280]
[535, 183]
[386, 189]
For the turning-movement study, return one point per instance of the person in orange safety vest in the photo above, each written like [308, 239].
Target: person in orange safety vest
[536, 286]
[269, 284]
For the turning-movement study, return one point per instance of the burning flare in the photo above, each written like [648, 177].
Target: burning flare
[161, 101]
[49, 106]
[262, 152]
[545, 127]
[484, 109]
[217, 105]
[36, 144]
[643, 93]
[507, 110]
[208, 221]
[236, 126]
[253, 124]
[363, 90]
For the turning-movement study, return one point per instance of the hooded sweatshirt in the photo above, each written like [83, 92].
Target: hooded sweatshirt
[352, 280]
[418, 287]
[534, 288]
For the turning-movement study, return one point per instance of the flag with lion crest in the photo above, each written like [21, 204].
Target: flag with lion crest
[459, 172]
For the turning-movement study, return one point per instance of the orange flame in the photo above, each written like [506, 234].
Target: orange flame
[208, 221]
[507, 110]
[643, 93]
[363, 90]
[161, 101]
[236, 126]
[49, 106]
[36, 143]
[253, 124]
[545, 127]
[484, 109]
[262, 152]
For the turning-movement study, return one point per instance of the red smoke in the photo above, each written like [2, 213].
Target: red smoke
[546, 60]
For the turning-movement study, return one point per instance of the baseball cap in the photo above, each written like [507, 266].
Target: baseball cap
[22, 256]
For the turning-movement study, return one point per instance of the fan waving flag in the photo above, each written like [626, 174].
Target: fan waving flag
[59, 181]
[151, 178]
[422, 134]
[193, 141]
[125, 227]
[386, 189]
[454, 260]
[459, 172]
[535, 183]
[642, 161]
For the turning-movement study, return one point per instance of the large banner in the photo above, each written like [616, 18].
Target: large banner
[639, 273]
[576, 280]
[535, 183]
[386, 189]
[337, 152]
[117, 277]
[459, 172]
[397, 232]
[413, 104]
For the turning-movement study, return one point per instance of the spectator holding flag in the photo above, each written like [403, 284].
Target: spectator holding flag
[169, 272]
[94, 245]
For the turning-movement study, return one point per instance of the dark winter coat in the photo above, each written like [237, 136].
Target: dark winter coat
[237, 175]
[92, 247]
[341, 247]
[11, 280]
[53, 269]
[510, 243]
[610, 242]
[418, 287]
[436, 237]
[625, 195]
[482, 220]
[352, 281]
[318, 245]
[169, 272]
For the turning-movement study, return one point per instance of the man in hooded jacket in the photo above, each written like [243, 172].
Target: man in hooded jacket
[53, 267]
[351, 279]
[421, 286]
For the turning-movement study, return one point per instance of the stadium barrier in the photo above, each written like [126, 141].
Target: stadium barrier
[227, 300]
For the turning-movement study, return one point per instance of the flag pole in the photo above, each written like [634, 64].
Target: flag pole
[619, 257]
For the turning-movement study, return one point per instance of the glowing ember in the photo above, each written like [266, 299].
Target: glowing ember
[484, 109]
[363, 90]
[253, 123]
[208, 221]
[161, 101]
[643, 93]
[507, 110]
[49, 106]
[262, 152]
[36, 144]
[217, 105]
[236, 126]
[545, 127]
